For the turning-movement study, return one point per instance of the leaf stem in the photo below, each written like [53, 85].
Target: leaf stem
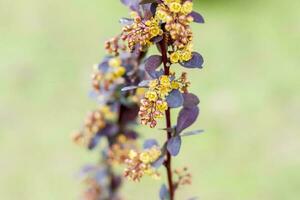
[168, 162]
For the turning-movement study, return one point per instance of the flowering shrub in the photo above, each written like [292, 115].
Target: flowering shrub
[128, 86]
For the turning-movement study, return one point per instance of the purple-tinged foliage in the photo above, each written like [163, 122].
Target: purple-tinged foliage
[153, 8]
[148, 144]
[197, 17]
[152, 63]
[190, 133]
[94, 142]
[174, 145]
[187, 116]
[175, 99]
[196, 61]
[147, 1]
[126, 21]
[164, 193]
[157, 39]
[158, 163]
[128, 88]
[190, 100]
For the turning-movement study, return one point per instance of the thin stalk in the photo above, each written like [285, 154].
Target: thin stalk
[168, 163]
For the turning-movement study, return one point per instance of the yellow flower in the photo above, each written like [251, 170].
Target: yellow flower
[149, 171]
[114, 62]
[155, 30]
[122, 139]
[187, 7]
[153, 83]
[148, 23]
[175, 7]
[186, 55]
[133, 14]
[152, 96]
[154, 153]
[162, 107]
[155, 176]
[164, 81]
[175, 85]
[132, 154]
[171, 1]
[164, 91]
[175, 57]
[161, 15]
[145, 157]
[120, 71]
[109, 76]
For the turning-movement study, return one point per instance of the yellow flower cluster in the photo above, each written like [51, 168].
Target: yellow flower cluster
[154, 104]
[175, 14]
[114, 46]
[139, 164]
[141, 32]
[119, 151]
[94, 122]
[112, 75]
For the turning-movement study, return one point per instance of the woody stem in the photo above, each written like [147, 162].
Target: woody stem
[168, 163]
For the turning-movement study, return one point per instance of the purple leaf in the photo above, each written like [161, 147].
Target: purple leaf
[197, 17]
[131, 134]
[189, 133]
[152, 63]
[126, 2]
[148, 144]
[159, 73]
[109, 130]
[195, 62]
[156, 164]
[126, 21]
[94, 142]
[164, 193]
[144, 83]
[174, 145]
[175, 99]
[128, 114]
[133, 87]
[147, 1]
[187, 116]
[132, 4]
[157, 39]
[153, 8]
[190, 100]
[116, 182]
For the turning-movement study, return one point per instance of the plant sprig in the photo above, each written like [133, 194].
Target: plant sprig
[128, 85]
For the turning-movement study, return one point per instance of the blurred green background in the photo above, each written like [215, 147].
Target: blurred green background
[249, 89]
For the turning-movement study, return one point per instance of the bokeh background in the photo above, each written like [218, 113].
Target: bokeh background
[249, 89]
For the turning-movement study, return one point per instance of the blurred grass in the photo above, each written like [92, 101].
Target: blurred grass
[249, 93]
